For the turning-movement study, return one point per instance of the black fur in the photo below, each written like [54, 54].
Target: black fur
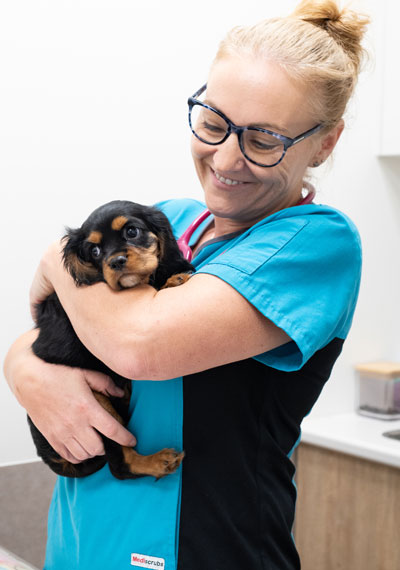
[57, 342]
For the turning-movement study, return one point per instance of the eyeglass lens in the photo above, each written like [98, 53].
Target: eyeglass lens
[211, 128]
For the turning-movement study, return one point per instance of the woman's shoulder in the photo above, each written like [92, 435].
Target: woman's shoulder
[306, 239]
[313, 221]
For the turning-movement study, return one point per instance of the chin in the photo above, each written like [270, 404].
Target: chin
[221, 208]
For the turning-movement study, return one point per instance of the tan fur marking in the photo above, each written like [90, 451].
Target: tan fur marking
[78, 267]
[161, 246]
[158, 465]
[176, 280]
[95, 237]
[68, 468]
[118, 223]
[140, 261]
[154, 244]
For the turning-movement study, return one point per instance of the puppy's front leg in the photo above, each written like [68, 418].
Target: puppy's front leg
[176, 280]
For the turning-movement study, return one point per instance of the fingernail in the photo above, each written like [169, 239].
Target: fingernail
[133, 442]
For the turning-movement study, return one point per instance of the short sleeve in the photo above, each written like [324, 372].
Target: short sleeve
[301, 272]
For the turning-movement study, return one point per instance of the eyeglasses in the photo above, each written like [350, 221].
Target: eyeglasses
[260, 146]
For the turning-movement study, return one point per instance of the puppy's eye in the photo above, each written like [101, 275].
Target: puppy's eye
[95, 251]
[131, 232]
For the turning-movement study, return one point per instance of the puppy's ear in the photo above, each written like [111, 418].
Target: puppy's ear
[158, 223]
[171, 261]
[82, 271]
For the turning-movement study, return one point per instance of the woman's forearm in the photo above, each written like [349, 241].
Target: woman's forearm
[146, 334]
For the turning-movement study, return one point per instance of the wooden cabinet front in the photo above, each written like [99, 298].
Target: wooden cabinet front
[348, 512]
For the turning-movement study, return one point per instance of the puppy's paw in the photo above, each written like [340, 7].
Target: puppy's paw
[165, 462]
[176, 280]
[158, 465]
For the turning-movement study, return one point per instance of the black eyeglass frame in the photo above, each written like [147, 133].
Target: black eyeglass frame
[232, 128]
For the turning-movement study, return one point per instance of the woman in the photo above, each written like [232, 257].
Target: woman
[248, 341]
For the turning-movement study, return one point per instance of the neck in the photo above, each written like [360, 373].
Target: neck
[224, 226]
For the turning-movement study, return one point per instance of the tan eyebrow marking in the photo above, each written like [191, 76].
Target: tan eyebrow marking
[95, 237]
[118, 223]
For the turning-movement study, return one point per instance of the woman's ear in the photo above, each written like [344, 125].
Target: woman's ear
[327, 144]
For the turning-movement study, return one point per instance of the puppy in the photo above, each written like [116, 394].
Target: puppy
[123, 244]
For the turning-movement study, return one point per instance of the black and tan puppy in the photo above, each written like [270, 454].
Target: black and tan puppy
[123, 244]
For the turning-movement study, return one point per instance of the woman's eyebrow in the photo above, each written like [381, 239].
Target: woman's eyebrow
[268, 126]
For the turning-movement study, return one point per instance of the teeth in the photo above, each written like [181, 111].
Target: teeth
[226, 180]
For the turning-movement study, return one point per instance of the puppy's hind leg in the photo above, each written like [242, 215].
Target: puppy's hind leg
[126, 463]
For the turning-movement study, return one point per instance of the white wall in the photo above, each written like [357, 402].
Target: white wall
[90, 89]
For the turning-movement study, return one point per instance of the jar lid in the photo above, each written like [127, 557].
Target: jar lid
[382, 368]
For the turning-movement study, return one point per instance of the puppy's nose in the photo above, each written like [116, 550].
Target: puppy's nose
[117, 263]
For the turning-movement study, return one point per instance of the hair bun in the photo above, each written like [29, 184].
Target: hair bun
[346, 27]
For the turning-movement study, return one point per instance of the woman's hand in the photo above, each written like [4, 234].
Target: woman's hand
[60, 402]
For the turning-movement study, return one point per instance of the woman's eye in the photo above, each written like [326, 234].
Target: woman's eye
[95, 251]
[132, 232]
[263, 145]
[213, 128]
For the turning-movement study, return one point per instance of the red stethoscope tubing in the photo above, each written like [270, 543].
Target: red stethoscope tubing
[183, 241]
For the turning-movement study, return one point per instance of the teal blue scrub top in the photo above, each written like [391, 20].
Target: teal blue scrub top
[300, 267]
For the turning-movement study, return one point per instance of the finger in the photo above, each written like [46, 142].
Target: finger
[75, 451]
[111, 428]
[91, 443]
[102, 383]
[78, 452]
[66, 454]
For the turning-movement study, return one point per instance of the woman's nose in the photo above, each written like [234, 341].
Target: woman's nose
[228, 156]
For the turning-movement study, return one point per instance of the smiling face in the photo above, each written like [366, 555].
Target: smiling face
[253, 92]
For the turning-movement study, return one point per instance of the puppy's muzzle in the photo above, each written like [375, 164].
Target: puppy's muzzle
[131, 267]
[118, 262]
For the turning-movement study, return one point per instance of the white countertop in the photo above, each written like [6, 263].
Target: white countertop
[355, 435]
[9, 561]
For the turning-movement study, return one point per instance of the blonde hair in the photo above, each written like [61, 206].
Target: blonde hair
[318, 45]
